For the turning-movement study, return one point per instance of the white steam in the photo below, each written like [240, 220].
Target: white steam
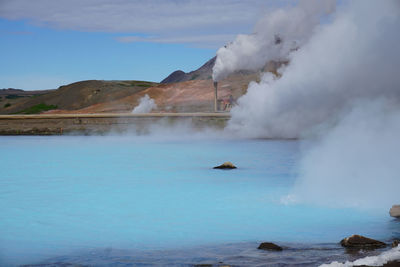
[274, 37]
[355, 57]
[356, 163]
[341, 89]
[146, 104]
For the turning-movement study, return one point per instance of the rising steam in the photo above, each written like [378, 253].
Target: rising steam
[275, 36]
[355, 57]
[146, 104]
[342, 88]
[355, 164]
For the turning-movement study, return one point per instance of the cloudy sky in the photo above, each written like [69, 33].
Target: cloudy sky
[48, 43]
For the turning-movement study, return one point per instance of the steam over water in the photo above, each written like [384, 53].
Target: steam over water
[62, 195]
[340, 93]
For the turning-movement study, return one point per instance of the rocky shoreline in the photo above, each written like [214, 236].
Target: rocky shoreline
[236, 254]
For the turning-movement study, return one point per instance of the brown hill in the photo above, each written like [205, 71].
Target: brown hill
[74, 96]
[179, 92]
[11, 93]
[188, 96]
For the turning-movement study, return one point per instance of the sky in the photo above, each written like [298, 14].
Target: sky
[48, 43]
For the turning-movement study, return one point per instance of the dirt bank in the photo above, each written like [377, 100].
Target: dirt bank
[59, 124]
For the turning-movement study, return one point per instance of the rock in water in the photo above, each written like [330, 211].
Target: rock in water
[395, 211]
[395, 243]
[361, 242]
[269, 246]
[226, 166]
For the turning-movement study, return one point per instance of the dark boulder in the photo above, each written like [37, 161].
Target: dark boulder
[270, 246]
[226, 166]
[361, 242]
[395, 243]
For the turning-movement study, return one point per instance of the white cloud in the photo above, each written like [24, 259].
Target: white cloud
[205, 41]
[160, 18]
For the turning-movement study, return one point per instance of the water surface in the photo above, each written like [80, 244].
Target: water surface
[62, 195]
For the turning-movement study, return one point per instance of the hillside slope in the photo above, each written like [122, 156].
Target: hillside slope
[202, 73]
[179, 92]
[187, 96]
[75, 96]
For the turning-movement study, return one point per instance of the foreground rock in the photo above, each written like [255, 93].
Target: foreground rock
[395, 211]
[226, 166]
[270, 246]
[361, 242]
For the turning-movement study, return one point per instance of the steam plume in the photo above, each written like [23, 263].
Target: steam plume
[274, 37]
[146, 104]
[355, 164]
[355, 57]
[341, 89]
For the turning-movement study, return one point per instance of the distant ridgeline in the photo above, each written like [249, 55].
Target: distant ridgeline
[205, 72]
[202, 73]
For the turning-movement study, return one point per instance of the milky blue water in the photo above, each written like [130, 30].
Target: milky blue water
[61, 195]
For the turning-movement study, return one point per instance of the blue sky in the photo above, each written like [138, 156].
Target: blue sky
[47, 43]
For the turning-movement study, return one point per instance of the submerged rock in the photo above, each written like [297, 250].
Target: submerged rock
[361, 242]
[269, 246]
[395, 211]
[226, 166]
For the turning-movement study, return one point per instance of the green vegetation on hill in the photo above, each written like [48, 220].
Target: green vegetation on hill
[70, 97]
[36, 109]
[194, 77]
[13, 96]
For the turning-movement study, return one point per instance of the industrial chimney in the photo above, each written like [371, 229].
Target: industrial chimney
[215, 97]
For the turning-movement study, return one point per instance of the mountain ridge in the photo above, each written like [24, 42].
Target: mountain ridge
[202, 73]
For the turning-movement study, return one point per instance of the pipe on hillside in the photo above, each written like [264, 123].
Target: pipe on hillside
[215, 97]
